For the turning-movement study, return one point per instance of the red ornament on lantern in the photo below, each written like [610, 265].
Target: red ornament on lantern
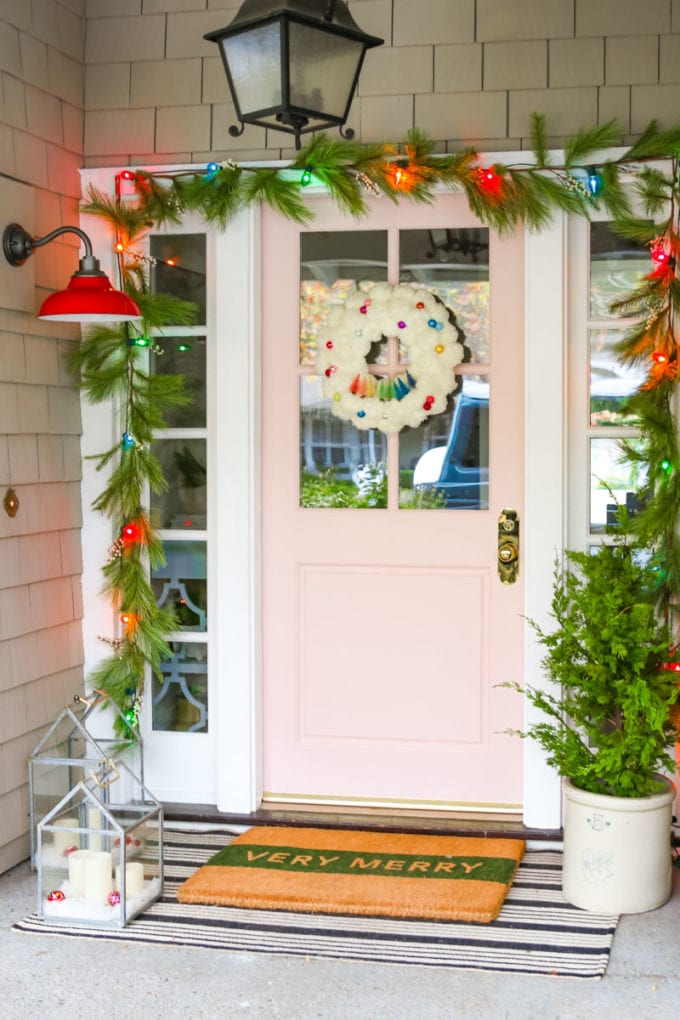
[56, 896]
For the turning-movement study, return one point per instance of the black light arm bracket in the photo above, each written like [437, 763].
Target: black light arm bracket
[18, 246]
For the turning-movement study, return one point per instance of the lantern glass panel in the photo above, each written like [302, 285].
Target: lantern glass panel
[100, 851]
[322, 69]
[254, 62]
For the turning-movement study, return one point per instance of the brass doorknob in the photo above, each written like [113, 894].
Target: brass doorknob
[508, 552]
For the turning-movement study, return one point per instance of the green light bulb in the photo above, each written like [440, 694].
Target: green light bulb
[306, 176]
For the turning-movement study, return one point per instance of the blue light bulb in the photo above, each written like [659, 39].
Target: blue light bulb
[128, 441]
[594, 181]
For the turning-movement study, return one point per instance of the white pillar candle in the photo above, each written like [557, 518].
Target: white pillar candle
[94, 821]
[76, 870]
[98, 876]
[134, 878]
[62, 840]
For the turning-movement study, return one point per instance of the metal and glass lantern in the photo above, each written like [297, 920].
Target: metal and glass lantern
[293, 65]
[71, 750]
[99, 851]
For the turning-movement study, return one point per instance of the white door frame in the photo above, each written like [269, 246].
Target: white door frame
[234, 496]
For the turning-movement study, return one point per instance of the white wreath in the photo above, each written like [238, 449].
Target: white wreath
[430, 344]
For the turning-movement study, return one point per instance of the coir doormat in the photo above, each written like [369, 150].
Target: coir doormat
[450, 878]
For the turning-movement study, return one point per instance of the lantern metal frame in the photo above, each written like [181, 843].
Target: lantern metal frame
[328, 16]
[111, 816]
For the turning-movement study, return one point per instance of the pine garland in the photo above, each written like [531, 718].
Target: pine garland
[501, 196]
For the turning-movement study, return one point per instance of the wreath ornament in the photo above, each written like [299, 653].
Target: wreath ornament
[389, 399]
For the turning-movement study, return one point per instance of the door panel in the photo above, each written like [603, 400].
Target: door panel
[386, 633]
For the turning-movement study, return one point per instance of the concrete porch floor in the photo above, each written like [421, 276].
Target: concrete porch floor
[80, 979]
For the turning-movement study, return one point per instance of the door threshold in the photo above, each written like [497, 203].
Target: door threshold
[458, 823]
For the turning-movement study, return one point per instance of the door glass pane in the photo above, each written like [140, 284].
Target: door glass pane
[178, 268]
[183, 505]
[181, 583]
[180, 701]
[616, 267]
[340, 465]
[183, 355]
[611, 382]
[613, 480]
[444, 463]
[454, 265]
[331, 263]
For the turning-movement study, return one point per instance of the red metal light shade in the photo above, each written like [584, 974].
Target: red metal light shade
[89, 299]
[89, 296]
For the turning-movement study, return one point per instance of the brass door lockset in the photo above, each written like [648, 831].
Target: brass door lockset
[508, 546]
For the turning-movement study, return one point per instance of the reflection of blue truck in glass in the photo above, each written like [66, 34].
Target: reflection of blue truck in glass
[459, 471]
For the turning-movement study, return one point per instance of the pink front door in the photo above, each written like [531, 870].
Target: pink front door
[386, 628]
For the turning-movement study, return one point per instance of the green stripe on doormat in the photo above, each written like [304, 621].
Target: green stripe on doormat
[354, 862]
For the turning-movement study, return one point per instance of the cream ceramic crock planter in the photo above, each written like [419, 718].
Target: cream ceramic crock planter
[617, 850]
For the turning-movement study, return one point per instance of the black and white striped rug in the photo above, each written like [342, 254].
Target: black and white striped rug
[537, 932]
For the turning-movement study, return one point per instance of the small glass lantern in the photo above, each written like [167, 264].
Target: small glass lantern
[99, 851]
[69, 752]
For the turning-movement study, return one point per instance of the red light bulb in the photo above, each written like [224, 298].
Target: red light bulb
[659, 358]
[131, 533]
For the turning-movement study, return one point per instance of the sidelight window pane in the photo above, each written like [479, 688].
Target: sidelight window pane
[611, 382]
[616, 267]
[181, 583]
[614, 481]
[180, 700]
[183, 505]
[183, 355]
[178, 268]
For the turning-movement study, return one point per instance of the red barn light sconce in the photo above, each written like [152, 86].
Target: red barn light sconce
[89, 296]
[293, 65]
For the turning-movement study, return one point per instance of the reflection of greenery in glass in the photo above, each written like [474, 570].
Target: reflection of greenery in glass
[609, 411]
[421, 499]
[325, 490]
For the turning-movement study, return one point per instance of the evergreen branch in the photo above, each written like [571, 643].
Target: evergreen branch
[585, 143]
[539, 144]
[281, 195]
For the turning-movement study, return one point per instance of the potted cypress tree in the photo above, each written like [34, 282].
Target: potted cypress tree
[608, 727]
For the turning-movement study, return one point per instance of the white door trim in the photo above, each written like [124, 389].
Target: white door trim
[235, 505]
[544, 527]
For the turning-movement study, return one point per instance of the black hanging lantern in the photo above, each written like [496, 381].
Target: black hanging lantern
[293, 65]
